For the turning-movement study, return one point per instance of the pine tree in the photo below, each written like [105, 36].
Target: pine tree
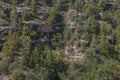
[34, 7]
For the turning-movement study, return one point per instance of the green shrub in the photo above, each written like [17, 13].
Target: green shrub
[17, 75]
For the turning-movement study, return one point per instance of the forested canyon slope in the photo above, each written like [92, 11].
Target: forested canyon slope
[59, 39]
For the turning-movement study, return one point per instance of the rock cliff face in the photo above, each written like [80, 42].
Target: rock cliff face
[59, 39]
[21, 13]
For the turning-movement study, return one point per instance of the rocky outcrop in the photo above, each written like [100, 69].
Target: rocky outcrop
[5, 25]
[74, 53]
[71, 18]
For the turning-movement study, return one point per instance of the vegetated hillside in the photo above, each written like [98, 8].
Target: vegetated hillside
[59, 40]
